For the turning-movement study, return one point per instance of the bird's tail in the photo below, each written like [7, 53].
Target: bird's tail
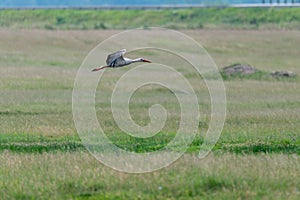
[99, 68]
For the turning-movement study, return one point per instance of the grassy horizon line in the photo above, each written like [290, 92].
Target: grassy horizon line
[195, 18]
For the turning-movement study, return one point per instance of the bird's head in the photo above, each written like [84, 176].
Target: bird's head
[144, 60]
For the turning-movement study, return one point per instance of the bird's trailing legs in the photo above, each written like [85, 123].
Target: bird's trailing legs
[99, 68]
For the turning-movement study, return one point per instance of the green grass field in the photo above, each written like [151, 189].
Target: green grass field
[197, 18]
[41, 155]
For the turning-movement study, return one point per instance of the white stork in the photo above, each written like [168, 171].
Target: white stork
[116, 59]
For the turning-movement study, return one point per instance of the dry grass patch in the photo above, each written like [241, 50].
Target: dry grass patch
[78, 175]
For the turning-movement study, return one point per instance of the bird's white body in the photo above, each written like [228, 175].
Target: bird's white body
[117, 59]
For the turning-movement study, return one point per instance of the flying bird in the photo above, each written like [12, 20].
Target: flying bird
[116, 59]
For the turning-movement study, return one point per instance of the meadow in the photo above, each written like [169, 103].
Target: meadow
[41, 155]
[196, 18]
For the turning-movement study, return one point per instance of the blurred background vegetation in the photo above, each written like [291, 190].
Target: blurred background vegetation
[196, 18]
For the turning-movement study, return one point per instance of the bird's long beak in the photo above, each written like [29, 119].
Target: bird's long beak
[148, 61]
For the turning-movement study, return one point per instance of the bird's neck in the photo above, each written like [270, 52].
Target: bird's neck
[136, 60]
[129, 61]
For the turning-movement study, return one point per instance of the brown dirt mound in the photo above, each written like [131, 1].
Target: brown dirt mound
[283, 74]
[239, 69]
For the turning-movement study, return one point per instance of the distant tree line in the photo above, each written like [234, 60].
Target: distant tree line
[280, 1]
[22, 3]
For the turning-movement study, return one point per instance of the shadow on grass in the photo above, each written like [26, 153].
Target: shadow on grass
[40, 147]
[253, 148]
[26, 144]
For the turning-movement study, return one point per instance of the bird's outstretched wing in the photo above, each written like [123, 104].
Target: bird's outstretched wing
[111, 58]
